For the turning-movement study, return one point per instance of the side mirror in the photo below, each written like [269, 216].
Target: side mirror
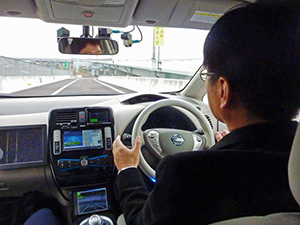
[88, 46]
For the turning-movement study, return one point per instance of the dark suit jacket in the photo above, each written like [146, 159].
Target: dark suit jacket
[244, 174]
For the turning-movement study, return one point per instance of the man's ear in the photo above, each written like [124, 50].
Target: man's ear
[225, 92]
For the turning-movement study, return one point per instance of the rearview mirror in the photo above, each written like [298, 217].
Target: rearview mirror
[88, 46]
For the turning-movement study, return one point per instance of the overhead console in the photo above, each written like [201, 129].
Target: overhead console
[81, 145]
[115, 13]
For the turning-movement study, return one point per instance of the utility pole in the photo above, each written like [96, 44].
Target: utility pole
[158, 58]
[153, 59]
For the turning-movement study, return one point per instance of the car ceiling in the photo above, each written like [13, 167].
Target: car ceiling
[118, 13]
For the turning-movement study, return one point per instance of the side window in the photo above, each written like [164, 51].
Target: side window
[205, 99]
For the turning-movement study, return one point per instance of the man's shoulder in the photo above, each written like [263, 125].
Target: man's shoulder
[274, 136]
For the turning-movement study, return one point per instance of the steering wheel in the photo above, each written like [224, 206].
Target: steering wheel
[163, 142]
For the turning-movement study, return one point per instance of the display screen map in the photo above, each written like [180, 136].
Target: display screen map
[21, 146]
[92, 201]
[79, 139]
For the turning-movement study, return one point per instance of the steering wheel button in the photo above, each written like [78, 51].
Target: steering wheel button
[151, 134]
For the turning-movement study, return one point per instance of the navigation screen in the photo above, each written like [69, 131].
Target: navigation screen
[92, 201]
[21, 146]
[80, 139]
[98, 116]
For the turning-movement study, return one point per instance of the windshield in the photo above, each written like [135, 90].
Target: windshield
[31, 64]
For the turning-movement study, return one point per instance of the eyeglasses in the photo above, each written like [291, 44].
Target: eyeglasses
[204, 75]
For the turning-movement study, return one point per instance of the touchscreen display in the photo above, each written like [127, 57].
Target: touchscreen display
[98, 116]
[20, 147]
[92, 201]
[81, 139]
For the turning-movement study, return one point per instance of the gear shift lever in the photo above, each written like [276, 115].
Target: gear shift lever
[97, 220]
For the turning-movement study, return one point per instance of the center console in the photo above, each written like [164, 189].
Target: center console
[82, 162]
[91, 203]
[81, 145]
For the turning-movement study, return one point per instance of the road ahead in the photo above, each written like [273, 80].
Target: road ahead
[81, 86]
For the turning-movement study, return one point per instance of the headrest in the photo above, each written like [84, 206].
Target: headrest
[294, 166]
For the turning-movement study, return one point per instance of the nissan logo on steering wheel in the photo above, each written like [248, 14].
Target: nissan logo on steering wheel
[177, 140]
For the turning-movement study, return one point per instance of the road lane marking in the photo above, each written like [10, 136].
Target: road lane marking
[64, 87]
[115, 89]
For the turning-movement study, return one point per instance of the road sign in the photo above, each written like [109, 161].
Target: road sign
[159, 36]
[66, 65]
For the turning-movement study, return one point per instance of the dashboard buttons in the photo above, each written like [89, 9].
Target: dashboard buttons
[82, 118]
[108, 138]
[61, 164]
[68, 164]
[56, 148]
[84, 161]
[99, 161]
[56, 142]
[108, 143]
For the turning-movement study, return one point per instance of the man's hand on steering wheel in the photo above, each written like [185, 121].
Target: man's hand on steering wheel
[124, 157]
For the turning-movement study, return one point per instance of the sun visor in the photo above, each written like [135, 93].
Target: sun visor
[154, 12]
[18, 8]
[199, 14]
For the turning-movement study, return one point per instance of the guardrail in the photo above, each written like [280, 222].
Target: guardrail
[124, 70]
[145, 84]
[17, 67]
[9, 84]
[17, 75]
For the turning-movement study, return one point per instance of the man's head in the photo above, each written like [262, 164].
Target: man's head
[91, 49]
[86, 46]
[253, 53]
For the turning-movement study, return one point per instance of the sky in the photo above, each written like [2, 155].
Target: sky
[34, 38]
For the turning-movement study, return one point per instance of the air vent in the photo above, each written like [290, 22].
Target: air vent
[208, 119]
[66, 117]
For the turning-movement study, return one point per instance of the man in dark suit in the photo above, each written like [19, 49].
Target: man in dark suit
[251, 56]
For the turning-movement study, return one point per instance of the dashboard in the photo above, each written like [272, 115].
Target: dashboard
[65, 152]
[81, 143]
